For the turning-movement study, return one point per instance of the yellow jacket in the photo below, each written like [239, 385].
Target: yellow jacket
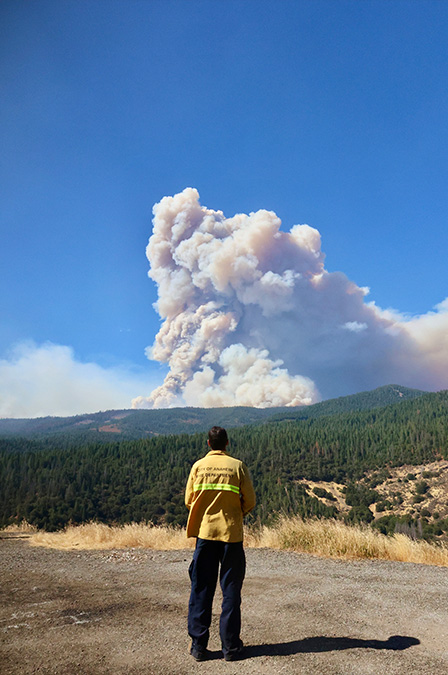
[219, 493]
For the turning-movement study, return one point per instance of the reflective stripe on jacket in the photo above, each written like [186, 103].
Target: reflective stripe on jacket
[219, 493]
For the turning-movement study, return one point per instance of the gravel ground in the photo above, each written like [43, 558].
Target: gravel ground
[124, 611]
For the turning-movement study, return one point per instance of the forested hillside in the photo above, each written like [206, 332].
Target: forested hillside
[366, 400]
[125, 481]
[135, 424]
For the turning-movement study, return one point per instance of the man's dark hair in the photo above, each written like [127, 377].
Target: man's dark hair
[217, 438]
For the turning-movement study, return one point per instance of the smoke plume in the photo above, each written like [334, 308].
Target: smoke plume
[250, 316]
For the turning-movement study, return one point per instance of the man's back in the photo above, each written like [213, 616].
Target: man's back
[219, 493]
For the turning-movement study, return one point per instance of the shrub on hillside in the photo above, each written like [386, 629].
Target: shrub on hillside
[359, 495]
[324, 494]
[359, 514]
[384, 505]
[421, 487]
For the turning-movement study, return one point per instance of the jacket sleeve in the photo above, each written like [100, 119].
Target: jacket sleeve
[247, 494]
[189, 489]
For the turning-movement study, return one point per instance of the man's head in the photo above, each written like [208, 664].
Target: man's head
[217, 438]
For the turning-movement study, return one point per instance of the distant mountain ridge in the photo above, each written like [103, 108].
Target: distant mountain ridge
[136, 424]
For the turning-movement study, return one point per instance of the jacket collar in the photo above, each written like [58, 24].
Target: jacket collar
[217, 452]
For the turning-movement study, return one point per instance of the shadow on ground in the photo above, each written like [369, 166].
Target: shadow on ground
[322, 643]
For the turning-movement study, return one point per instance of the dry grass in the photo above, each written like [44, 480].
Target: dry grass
[99, 536]
[326, 538]
[334, 539]
[23, 526]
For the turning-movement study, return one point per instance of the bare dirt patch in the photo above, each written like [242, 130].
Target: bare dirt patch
[397, 485]
[435, 500]
[124, 611]
[335, 489]
[111, 428]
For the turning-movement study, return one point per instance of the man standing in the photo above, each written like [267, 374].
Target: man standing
[219, 493]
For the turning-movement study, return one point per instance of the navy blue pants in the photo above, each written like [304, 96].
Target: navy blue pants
[203, 571]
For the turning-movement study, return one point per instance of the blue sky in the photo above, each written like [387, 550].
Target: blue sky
[331, 113]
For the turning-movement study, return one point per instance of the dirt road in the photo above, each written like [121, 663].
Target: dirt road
[115, 612]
